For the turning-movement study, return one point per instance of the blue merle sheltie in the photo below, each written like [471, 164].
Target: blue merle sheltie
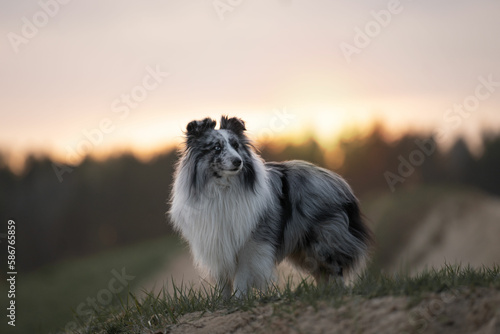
[242, 216]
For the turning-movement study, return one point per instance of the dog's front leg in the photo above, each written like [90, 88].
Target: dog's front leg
[242, 282]
[225, 286]
[255, 267]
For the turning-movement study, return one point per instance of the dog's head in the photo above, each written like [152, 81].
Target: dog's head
[223, 152]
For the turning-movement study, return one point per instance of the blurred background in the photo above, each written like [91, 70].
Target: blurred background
[402, 98]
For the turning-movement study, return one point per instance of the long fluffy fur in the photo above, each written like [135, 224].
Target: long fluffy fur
[242, 216]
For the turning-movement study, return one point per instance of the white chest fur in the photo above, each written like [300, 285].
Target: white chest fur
[219, 223]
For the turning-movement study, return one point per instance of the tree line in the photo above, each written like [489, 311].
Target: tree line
[119, 201]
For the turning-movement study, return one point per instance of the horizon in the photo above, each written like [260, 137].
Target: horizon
[275, 141]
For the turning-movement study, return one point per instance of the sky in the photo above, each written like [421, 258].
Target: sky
[97, 77]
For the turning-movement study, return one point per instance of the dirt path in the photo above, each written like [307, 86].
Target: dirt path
[459, 312]
[457, 230]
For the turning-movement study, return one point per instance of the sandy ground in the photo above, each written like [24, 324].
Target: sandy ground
[452, 312]
[458, 230]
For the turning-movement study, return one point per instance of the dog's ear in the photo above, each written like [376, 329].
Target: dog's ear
[197, 128]
[234, 124]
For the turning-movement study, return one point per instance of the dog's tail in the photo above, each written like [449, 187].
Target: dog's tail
[357, 225]
[359, 230]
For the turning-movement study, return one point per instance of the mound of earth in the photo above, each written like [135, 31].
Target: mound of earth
[452, 312]
[425, 229]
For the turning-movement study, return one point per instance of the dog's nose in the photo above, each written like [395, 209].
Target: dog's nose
[236, 162]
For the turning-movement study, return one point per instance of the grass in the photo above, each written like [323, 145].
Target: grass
[158, 312]
[45, 298]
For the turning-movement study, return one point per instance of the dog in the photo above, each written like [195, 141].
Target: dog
[242, 216]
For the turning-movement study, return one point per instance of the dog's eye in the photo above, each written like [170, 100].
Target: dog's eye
[235, 145]
[217, 148]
